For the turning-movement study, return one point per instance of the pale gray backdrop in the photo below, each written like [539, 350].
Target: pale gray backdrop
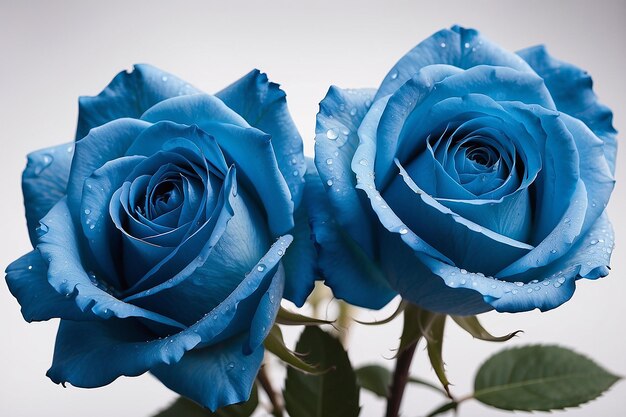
[50, 53]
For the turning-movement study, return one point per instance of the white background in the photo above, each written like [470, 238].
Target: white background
[52, 53]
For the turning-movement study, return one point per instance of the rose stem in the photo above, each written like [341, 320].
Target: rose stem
[400, 379]
[266, 384]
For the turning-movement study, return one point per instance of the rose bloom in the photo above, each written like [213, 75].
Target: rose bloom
[472, 179]
[163, 238]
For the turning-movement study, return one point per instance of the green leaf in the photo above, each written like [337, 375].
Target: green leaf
[444, 408]
[435, 347]
[377, 379]
[403, 304]
[541, 378]
[471, 325]
[374, 378]
[276, 344]
[183, 407]
[290, 318]
[334, 394]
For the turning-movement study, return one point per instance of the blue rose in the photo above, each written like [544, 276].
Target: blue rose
[472, 179]
[161, 234]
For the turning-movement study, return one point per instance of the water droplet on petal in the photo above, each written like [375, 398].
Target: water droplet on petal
[464, 271]
[329, 183]
[467, 45]
[363, 162]
[593, 242]
[394, 75]
[404, 231]
[353, 112]
[230, 366]
[331, 134]
[260, 268]
[442, 44]
[164, 78]
[87, 211]
[45, 163]
[329, 161]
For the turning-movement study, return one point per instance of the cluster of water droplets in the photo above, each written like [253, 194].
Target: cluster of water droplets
[184, 88]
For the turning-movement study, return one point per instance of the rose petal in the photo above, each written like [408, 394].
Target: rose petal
[44, 182]
[128, 95]
[263, 105]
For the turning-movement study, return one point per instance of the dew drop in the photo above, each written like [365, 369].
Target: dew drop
[363, 162]
[329, 161]
[567, 220]
[345, 131]
[442, 44]
[331, 134]
[30, 267]
[295, 173]
[87, 211]
[593, 242]
[519, 284]
[394, 75]
[467, 45]
[403, 231]
[231, 366]
[561, 280]
[464, 271]
[45, 163]
[329, 183]
[514, 292]
[260, 268]
[553, 251]
[353, 112]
